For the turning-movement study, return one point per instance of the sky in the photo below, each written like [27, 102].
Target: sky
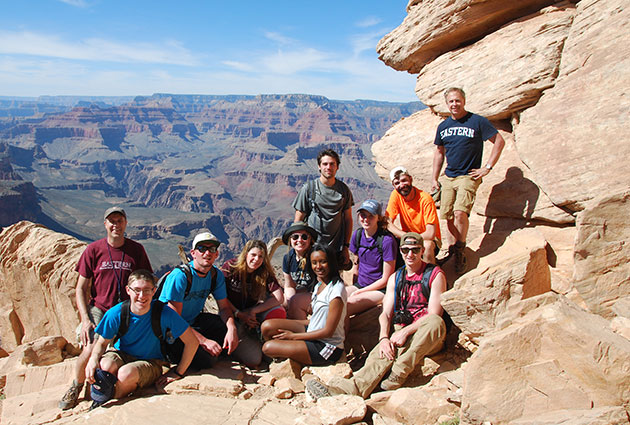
[138, 47]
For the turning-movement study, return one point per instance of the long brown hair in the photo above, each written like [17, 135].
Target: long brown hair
[260, 275]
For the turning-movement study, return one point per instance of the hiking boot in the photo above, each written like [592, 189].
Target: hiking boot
[393, 382]
[316, 390]
[460, 259]
[71, 397]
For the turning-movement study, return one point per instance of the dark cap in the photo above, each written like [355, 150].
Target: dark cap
[298, 226]
[411, 239]
[102, 389]
[113, 210]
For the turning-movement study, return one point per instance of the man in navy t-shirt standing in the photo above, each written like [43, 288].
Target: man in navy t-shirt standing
[460, 138]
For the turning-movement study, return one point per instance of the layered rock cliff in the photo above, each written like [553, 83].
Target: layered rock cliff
[542, 300]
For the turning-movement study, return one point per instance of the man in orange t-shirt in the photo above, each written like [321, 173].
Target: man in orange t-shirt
[416, 210]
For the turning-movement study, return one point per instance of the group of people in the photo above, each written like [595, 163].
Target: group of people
[132, 330]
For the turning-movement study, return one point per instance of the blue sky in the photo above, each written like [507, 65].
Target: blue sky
[138, 47]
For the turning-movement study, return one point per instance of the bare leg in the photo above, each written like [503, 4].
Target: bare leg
[271, 327]
[288, 349]
[79, 371]
[299, 306]
[128, 378]
[461, 224]
[358, 303]
[429, 252]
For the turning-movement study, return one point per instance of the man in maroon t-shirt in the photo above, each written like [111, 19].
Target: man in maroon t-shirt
[103, 270]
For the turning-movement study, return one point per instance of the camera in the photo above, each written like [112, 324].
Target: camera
[403, 317]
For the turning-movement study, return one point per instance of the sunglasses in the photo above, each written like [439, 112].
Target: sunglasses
[142, 291]
[415, 250]
[203, 248]
[297, 236]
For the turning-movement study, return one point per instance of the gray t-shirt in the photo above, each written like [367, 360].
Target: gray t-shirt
[321, 303]
[328, 219]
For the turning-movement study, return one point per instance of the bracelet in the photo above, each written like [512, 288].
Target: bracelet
[385, 337]
[174, 370]
[236, 312]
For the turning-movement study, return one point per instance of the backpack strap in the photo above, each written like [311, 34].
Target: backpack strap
[398, 284]
[426, 278]
[125, 314]
[311, 194]
[186, 269]
[156, 325]
[213, 283]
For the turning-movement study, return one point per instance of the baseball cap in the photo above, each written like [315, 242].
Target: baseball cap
[371, 206]
[113, 210]
[205, 237]
[411, 239]
[397, 170]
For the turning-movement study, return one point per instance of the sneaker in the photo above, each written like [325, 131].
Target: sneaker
[316, 390]
[393, 382]
[71, 397]
[451, 253]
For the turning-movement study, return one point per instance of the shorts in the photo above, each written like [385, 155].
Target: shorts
[323, 353]
[95, 314]
[148, 370]
[458, 194]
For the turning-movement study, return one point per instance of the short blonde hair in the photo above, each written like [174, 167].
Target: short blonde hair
[141, 274]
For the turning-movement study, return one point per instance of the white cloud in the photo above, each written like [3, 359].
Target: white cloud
[77, 3]
[279, 38]
[94, 49]
[368, 22]
[240, 66]
[294, 61]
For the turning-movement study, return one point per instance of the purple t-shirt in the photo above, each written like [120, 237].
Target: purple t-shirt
[370, 260]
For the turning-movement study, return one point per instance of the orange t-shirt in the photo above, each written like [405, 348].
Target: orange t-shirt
[414, 215]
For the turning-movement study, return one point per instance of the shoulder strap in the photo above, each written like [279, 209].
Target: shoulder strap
[186, 269]
[357, 238]
[426, 277]
[156, 325]
[379, 236]
[398, 286]
[125, 312]
[213, 284]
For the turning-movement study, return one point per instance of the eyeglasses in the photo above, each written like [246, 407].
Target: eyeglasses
[142, 291]
[203, 248]
[415, 250]
[297, 236]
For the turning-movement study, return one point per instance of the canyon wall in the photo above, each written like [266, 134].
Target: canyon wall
[548, 251]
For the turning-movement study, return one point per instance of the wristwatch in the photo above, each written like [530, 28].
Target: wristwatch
[489, 167]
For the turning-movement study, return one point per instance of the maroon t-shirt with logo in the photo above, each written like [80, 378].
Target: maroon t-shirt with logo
[109, 268]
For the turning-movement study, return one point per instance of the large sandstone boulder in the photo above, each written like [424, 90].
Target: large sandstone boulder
[575, 139]
[435, 27]
[506, 71]
[37, 281]
[554, 358]
[507, 192]
[516, 271]
[602, 253]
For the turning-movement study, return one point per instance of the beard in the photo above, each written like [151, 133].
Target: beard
[404, 191]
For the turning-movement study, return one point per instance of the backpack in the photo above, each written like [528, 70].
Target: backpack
[310, 192]
[156, 325]
[379, 235]
[426, 290]
[188, 272]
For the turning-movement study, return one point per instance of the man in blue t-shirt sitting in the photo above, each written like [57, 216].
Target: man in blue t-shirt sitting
[214, 332]
[136, 359]
[460, 138]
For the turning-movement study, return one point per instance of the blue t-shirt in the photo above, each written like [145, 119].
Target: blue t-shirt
[140, 341]
[370, 260]
[175, 288]
[463, 142]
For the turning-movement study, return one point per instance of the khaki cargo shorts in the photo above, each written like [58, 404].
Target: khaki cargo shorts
[148, 370]
[458, 194]
[95, 314]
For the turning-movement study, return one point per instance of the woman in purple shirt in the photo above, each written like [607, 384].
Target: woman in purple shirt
[376, 251]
